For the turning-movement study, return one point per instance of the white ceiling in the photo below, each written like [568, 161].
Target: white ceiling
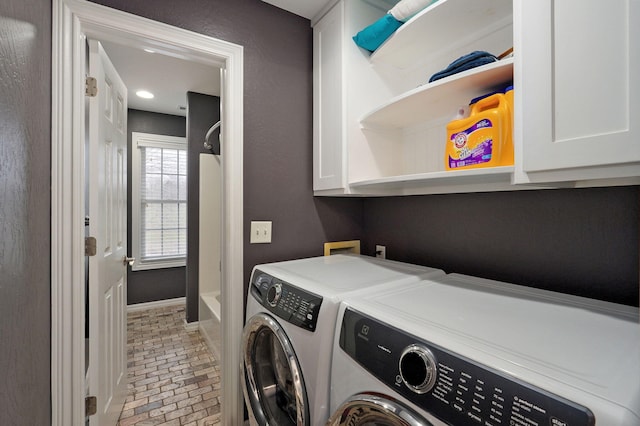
[167, 77]
[170, 78]
[305, 8]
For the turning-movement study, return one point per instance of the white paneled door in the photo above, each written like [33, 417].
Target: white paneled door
[107, 194]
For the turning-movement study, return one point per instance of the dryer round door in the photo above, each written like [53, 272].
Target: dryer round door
[367, 409]
[273, 387]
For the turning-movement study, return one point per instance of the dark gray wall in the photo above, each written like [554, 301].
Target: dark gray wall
[155, 284]
[578, 241]
[204, 112]
[278, 93]
[25, 209]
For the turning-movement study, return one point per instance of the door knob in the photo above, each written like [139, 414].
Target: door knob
[128, 260]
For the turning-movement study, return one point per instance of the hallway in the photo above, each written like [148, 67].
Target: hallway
[173, 379]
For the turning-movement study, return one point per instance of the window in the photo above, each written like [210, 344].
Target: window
[159, 201]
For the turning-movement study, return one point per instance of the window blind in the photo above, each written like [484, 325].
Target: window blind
[163, 202]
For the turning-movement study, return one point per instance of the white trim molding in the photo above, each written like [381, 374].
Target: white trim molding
[73, 22]
[137, 307]
[139, 140]
[193, 326]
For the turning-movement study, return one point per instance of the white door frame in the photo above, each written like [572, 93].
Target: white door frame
[73, 20]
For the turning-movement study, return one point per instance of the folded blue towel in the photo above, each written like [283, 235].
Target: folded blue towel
[375, 34]
[463, 63]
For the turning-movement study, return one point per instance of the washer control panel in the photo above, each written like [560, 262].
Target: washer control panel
[453, 388]
[294, 305]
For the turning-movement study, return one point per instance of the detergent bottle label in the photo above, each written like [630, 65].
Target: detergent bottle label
[473, 145]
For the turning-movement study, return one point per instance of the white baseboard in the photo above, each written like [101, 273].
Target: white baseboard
[191, 326]
[156, 304]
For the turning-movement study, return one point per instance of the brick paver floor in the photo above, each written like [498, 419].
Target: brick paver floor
[174, 380]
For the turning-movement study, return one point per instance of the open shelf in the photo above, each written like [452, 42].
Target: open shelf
[486, 175]
[439, 98]
[441, 27]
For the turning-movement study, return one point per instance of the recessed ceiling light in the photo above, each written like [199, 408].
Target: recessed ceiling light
[149, 50]
[144, 94]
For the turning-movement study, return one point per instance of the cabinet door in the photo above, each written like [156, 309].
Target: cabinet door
[328, 141]
[577, 85]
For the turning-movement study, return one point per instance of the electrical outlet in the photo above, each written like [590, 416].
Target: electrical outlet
[260, 232]
[381, 252]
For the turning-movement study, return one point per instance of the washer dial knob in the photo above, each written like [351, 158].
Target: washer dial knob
[273, 294]
[418, 368]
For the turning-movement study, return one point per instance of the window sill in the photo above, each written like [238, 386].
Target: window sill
[145, 266]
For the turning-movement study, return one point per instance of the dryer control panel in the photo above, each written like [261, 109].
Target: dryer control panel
[292, 304]
[450, 386]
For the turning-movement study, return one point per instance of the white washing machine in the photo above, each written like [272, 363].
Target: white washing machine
[467, 351]
[289, 331]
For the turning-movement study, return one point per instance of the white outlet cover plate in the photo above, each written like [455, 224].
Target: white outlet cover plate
[260, 232]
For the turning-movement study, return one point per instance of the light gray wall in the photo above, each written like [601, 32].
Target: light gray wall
[25, 208]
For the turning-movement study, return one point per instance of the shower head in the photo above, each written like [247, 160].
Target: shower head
[208, 144]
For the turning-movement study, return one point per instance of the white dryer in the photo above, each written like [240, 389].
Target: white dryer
[467, 351]
[290, 323]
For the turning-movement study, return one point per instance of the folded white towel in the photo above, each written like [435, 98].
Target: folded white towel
[405, 9]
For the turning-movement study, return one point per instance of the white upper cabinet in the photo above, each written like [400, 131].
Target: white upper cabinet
[380, 126]
[578, 71]
[344, 88]
[328, 151]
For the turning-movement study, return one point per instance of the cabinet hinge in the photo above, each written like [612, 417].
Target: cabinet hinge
[90, 406]
[90, 246]
[91, 87]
